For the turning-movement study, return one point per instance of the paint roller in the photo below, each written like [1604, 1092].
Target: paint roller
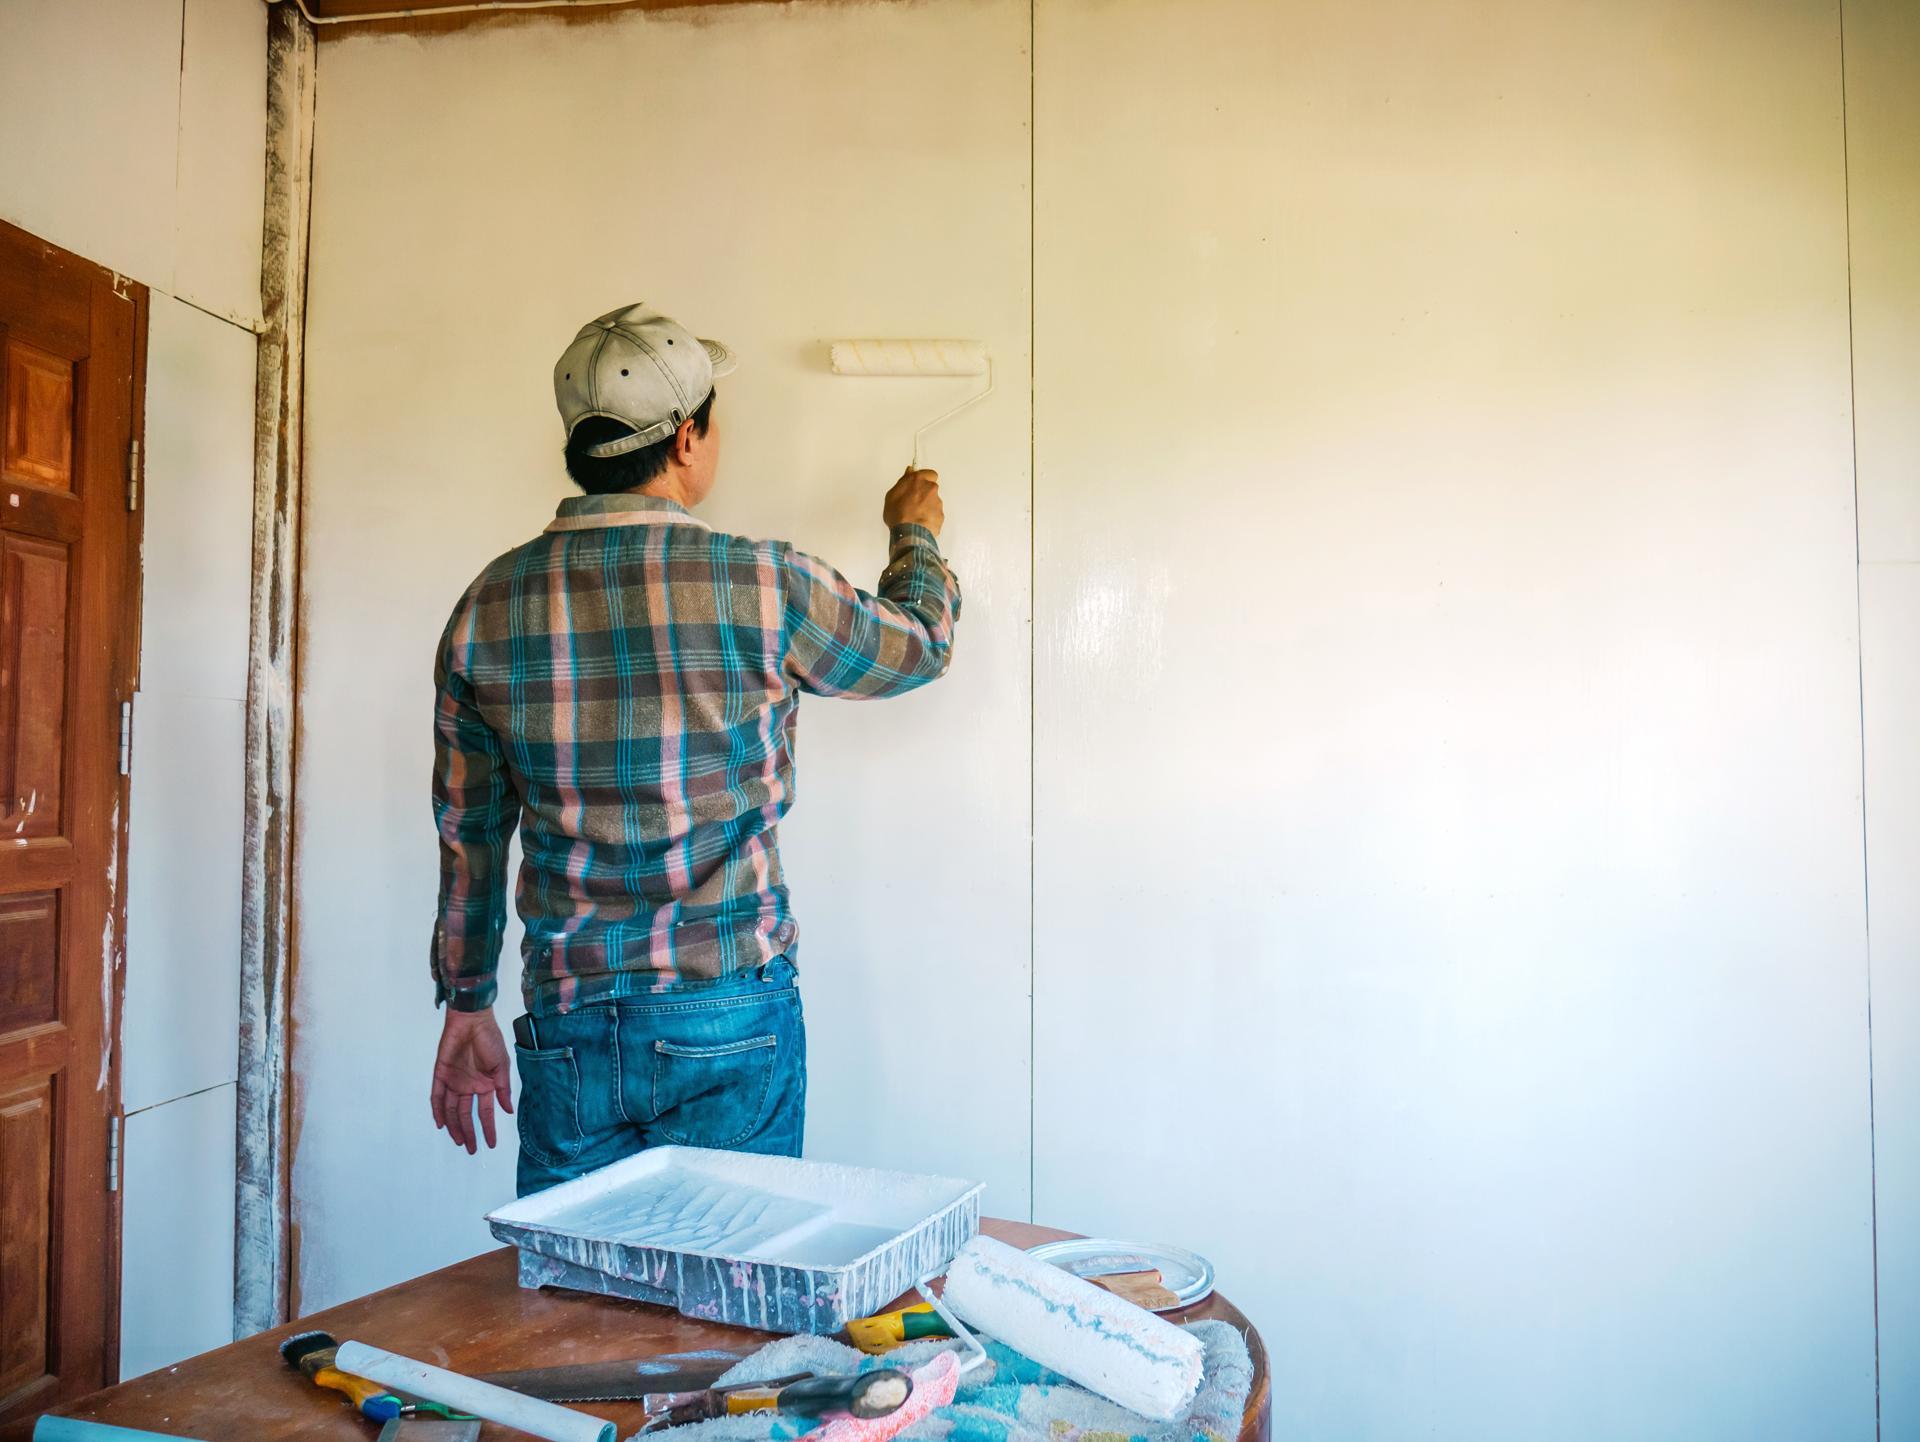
[917, 358]
[1106, 1344]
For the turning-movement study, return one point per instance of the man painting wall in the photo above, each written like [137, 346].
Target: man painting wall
[624, 689]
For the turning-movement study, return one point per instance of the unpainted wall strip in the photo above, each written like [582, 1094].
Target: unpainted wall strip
[338, 21]
[262, 1232]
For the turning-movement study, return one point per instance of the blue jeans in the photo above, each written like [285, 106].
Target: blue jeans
[720, 1065]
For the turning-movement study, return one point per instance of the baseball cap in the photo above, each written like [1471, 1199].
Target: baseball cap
[638, 367]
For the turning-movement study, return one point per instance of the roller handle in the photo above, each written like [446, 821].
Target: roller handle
[874, 1335]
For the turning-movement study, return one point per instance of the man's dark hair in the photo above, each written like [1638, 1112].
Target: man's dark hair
[607, 475]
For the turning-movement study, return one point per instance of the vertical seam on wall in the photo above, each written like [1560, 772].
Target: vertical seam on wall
[290, 1095]
[1033, 634]
[179, 149]
[1860, 660]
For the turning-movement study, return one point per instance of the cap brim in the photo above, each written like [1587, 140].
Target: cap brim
[722, 358]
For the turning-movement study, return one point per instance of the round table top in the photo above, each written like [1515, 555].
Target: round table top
[474, 1317]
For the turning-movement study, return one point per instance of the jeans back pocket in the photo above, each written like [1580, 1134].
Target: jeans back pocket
[549, 1104]
[712, 1096]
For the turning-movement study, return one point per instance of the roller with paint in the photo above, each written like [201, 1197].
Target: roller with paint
[917, 358]
[1106, 1344]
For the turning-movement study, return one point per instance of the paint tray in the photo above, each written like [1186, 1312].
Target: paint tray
[767, 1242]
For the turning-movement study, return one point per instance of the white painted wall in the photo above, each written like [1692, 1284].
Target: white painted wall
[180, 1236]
[1446, 733]
[775, 178]
[1447, 728]
[1883, 148]
[131, 132]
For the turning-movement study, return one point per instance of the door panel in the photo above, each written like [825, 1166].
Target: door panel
[39, 408]
[33, 663]
[68, 639]
[29, 959]
[26, 1191]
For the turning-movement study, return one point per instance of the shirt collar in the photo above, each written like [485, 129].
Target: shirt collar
[583, 513]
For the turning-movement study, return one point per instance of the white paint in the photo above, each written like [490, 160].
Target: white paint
[109, 962]
[183, 898]
[111, 957]
[198, 499]
[1890, 602]
[1448, 837]
[120, 152]
[222, 175]
[855, 170]
[1447, 823]
[176, 1294]
[90, 106]
[1883, 154]
[727, 1205]
[148, 160]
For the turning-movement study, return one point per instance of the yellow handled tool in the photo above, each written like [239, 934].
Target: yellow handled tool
[874, 1335]
[311, 1354]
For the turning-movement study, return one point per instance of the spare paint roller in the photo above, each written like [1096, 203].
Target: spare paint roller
[1107, 1345]
[481, 1399]
[922, 358]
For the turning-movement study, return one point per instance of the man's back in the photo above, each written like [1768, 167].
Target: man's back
[624, 687]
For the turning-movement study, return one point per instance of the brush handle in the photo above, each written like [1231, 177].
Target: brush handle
[868, 1395]
[375, 1402]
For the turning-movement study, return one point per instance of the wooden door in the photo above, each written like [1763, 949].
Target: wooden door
[69, 336]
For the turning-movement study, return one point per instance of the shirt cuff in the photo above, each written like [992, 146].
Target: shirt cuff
[907, 537]
[478, 997]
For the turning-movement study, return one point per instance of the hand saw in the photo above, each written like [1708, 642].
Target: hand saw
[621, 1381]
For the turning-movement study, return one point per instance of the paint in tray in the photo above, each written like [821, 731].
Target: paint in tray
[769, 1242]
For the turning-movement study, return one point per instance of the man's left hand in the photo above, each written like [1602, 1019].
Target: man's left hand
[471, 1068]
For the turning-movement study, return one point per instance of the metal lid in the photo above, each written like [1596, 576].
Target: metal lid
[1188, 1276]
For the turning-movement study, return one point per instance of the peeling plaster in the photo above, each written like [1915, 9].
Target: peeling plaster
[260, 1279]
[110, 953]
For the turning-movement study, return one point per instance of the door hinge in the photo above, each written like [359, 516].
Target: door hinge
[126, 738]
[133, 475]
[113, 1153]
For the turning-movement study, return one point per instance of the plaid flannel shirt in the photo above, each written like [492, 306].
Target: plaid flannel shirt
[624, 688]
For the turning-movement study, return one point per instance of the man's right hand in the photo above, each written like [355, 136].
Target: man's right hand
[915, 501]
[470, 1073]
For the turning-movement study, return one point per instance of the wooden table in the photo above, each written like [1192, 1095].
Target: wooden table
[472, 1317]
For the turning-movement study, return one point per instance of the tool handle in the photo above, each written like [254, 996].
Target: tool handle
[374, 1401]
[874, 1335]
[867, 1395]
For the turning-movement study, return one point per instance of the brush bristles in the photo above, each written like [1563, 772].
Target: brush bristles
[297, 1349]
[908, 357]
